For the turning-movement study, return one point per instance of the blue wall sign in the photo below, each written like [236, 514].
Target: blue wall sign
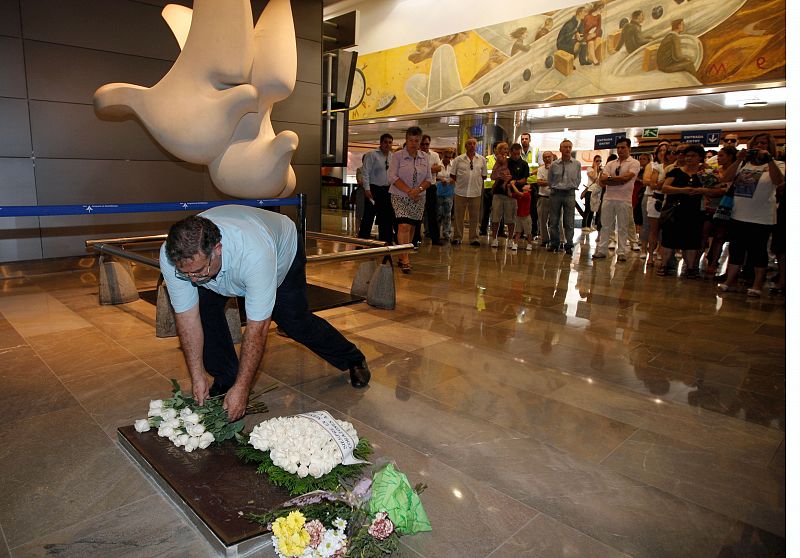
[708, 138]
[607, 141]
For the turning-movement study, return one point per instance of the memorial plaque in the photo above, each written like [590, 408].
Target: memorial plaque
[213, 487]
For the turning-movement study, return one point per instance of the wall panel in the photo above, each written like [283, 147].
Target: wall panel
[19, 236]
[72, 75]
[66, 130]
[12, 68]
[309, 61]
[9, 18]
[114, 26]
[308, 150]
[15, 141]
[68, 181]
[300, 106]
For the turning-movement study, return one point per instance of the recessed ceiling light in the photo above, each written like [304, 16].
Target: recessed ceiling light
[453, 125]
[673, 103]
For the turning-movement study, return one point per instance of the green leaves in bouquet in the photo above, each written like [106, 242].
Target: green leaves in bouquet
[364, 545]
[325, 512]
[292, 482]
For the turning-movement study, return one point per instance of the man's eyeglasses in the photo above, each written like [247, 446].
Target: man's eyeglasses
[195, 275]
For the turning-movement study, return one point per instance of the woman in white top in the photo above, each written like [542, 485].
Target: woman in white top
[755, 178]
[654, 176]
[591, 195]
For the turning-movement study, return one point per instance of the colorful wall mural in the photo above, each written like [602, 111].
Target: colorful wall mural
[605, 47]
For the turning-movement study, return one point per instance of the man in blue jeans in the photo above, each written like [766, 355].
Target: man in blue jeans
[235, 250]
[564, 177]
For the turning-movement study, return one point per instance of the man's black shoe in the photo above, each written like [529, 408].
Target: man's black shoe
[475, 243]
[568, 251]
[721, 278]
[437, 243]
[455, 242]
[359, 374]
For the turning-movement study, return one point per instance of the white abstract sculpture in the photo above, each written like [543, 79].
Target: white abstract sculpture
[213, 106]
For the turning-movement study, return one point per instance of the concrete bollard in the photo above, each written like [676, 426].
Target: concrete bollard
[381, 291]
[363, 276]
[165, 317]
[116, 282]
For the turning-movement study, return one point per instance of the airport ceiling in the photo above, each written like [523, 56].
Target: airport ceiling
[728, 110]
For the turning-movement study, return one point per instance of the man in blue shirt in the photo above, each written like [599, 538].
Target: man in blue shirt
[375, 164]
[236, 250]
[564, 177]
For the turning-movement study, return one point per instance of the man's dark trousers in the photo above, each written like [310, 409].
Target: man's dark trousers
[381, 211]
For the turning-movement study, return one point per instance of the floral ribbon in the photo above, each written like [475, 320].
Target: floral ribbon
[343, 439]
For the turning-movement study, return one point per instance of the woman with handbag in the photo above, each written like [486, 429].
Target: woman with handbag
[681, 219]
[715, 229]
[755, 177]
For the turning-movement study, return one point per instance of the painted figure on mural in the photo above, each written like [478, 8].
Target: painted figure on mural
[632, 36]
[570, 37]
[670, 57]
[592, 32]
[546, 27]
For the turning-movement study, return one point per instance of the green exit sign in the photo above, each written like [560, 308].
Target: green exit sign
[650, 133]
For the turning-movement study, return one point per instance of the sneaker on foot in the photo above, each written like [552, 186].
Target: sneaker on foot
[635, 247]
[612, 245]
[621, 258]
[513, 245]
[495, 243]
[529, 247]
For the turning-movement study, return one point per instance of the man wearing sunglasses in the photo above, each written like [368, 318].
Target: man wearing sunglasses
[618, 178]
[235, 250]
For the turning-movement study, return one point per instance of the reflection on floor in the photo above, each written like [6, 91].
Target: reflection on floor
[554, 406]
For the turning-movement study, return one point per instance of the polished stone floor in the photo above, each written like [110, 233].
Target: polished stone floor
[554, 406]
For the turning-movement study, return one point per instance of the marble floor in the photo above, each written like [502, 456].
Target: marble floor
[554, 406]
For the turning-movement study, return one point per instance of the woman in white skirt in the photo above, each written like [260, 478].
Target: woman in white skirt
[654, 176]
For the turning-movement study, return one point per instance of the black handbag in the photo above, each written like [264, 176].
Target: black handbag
[669, 215]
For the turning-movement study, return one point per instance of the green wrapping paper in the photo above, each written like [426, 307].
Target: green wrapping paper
[392, 493]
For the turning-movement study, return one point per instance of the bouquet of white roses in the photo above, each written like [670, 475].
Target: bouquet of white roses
[306, 452]
[189, 425]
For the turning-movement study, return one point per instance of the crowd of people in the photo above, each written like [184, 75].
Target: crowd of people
[679, 200]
